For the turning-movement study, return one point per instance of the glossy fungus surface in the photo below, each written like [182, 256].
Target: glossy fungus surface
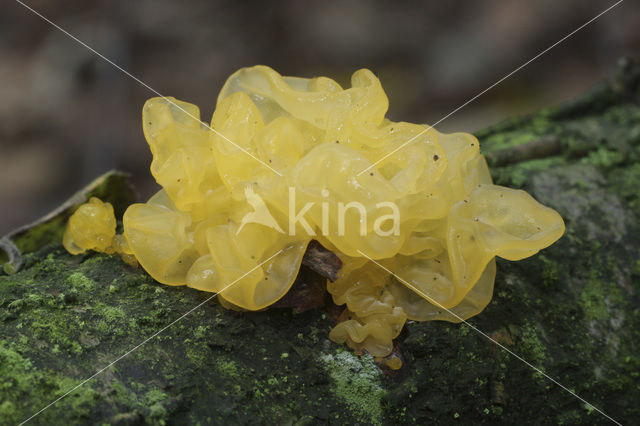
[411, 212]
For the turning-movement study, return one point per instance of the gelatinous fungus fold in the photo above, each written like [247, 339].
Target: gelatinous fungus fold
[425, 210]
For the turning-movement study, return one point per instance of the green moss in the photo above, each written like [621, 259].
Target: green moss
[520, 175]
[25, 389]
[506, 140]
[201, 332]
[593, 301]
[154, 399]
[111, 314]
[81, 282]
[603, 157]
[358, 381]
[532, 348]
[550, 270]
[227, 367]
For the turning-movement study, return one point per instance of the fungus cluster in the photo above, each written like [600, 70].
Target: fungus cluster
[417, 232]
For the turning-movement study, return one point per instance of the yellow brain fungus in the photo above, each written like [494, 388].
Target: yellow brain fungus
[295, 159]
[92, 227]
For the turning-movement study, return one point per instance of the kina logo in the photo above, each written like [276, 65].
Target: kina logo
[260, 213]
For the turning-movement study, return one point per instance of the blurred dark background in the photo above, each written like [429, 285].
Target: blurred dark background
[67, 116]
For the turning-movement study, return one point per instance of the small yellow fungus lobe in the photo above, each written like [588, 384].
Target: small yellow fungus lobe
[392, 362]
[91, 227]
[411, 212]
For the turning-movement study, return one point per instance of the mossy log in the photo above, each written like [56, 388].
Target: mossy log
[572, 310]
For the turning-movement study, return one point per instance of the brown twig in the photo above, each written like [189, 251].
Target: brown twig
[322, 261]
